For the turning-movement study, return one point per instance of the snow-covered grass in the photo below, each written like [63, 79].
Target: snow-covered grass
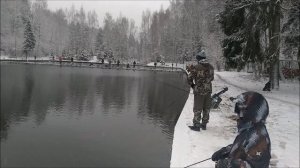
[282, 123]
[6, 57]
[167, 64]
[3, 57]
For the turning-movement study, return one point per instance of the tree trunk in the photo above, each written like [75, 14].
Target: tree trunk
[254, 70]
[15, 30]
[281, 73]
[274, 46]
[298, 59]
[259, 69]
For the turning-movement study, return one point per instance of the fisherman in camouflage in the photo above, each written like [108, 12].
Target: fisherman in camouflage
[252, 146]
[200, 78]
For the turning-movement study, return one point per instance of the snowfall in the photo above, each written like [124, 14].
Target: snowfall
[282, 123]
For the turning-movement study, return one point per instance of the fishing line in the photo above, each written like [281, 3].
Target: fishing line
[173, 86]
[197, 162]
[174, 101]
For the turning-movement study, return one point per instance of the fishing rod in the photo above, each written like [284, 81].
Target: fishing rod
[173, 86]
[198, 162]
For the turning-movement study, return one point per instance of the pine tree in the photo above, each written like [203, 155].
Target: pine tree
[232, 21]
[291, 30]
[29, 42]
[99, 44]
[244, 23]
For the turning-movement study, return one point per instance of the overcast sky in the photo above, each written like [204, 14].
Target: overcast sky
[131, 9]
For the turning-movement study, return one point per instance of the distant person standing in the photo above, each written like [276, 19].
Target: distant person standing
[267, 86]
[109, 63]
[60, 59]
[200, 78]
[118, 63]
[134, 63]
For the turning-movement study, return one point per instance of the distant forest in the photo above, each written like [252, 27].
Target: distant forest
[232, 32]
[174, 34]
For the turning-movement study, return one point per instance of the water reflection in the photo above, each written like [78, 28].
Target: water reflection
[88, 117]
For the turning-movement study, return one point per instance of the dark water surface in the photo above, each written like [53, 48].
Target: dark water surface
[85, 117]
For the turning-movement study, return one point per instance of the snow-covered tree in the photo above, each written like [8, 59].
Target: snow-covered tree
[180, 31]
[145, 42]
[99, 47]
[246, 24]
[29, 42]
[291, 30]
[82, 33]
[132, 42]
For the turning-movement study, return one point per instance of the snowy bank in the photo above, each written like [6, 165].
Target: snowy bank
[282, 123]
[168, 64]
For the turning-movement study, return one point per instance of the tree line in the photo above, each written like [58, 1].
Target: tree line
[177, 33]
[254, 33]
[174, 34]
[233, 33]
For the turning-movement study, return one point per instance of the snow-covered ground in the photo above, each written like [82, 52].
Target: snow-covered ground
[175, 65]
[5, 57]
[94, 59]
[282, 123]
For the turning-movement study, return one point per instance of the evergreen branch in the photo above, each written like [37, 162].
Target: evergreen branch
[252, 3]
[241, 7]
[285, 8]
[275, 36]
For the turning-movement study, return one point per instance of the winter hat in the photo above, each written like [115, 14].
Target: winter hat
[201, 55]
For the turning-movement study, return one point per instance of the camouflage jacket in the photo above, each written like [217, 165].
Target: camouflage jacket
[251, 148]
[200, 78]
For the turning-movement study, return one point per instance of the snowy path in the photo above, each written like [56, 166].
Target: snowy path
[296, 103]
[282, 124]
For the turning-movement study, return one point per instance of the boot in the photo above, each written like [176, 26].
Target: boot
[195, 127]
[203, 126]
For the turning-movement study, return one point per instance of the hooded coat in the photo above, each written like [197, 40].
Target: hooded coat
[252, 146]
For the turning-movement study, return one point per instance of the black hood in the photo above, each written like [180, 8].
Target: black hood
[252, 108]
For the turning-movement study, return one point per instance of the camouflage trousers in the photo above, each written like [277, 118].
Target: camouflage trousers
[227, 162]
[223, 163]
[202, 105]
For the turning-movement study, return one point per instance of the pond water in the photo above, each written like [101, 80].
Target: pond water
[86, 117]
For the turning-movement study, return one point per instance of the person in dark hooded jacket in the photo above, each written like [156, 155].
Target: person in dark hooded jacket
[252, 146]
